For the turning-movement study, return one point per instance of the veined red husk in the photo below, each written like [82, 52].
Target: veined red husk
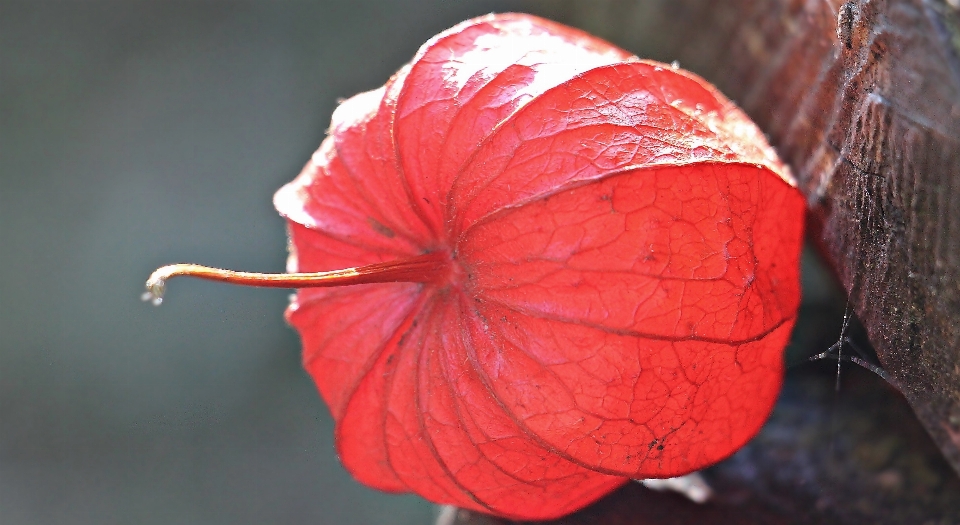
[622, 271]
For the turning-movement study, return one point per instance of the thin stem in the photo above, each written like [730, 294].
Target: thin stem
[863, 363]
[419, 269]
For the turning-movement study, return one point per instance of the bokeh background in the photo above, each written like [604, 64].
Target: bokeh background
[139, 133]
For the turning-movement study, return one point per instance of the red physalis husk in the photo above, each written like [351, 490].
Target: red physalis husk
[617, 271]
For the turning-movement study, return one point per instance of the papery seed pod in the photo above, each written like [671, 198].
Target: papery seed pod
[581, 268]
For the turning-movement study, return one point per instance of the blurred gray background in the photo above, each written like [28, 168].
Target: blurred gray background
[134, 134]
[139, 133]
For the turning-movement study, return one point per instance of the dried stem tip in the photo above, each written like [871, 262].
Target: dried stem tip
[420, 269]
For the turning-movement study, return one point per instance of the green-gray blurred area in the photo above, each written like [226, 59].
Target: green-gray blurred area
[134, 134]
